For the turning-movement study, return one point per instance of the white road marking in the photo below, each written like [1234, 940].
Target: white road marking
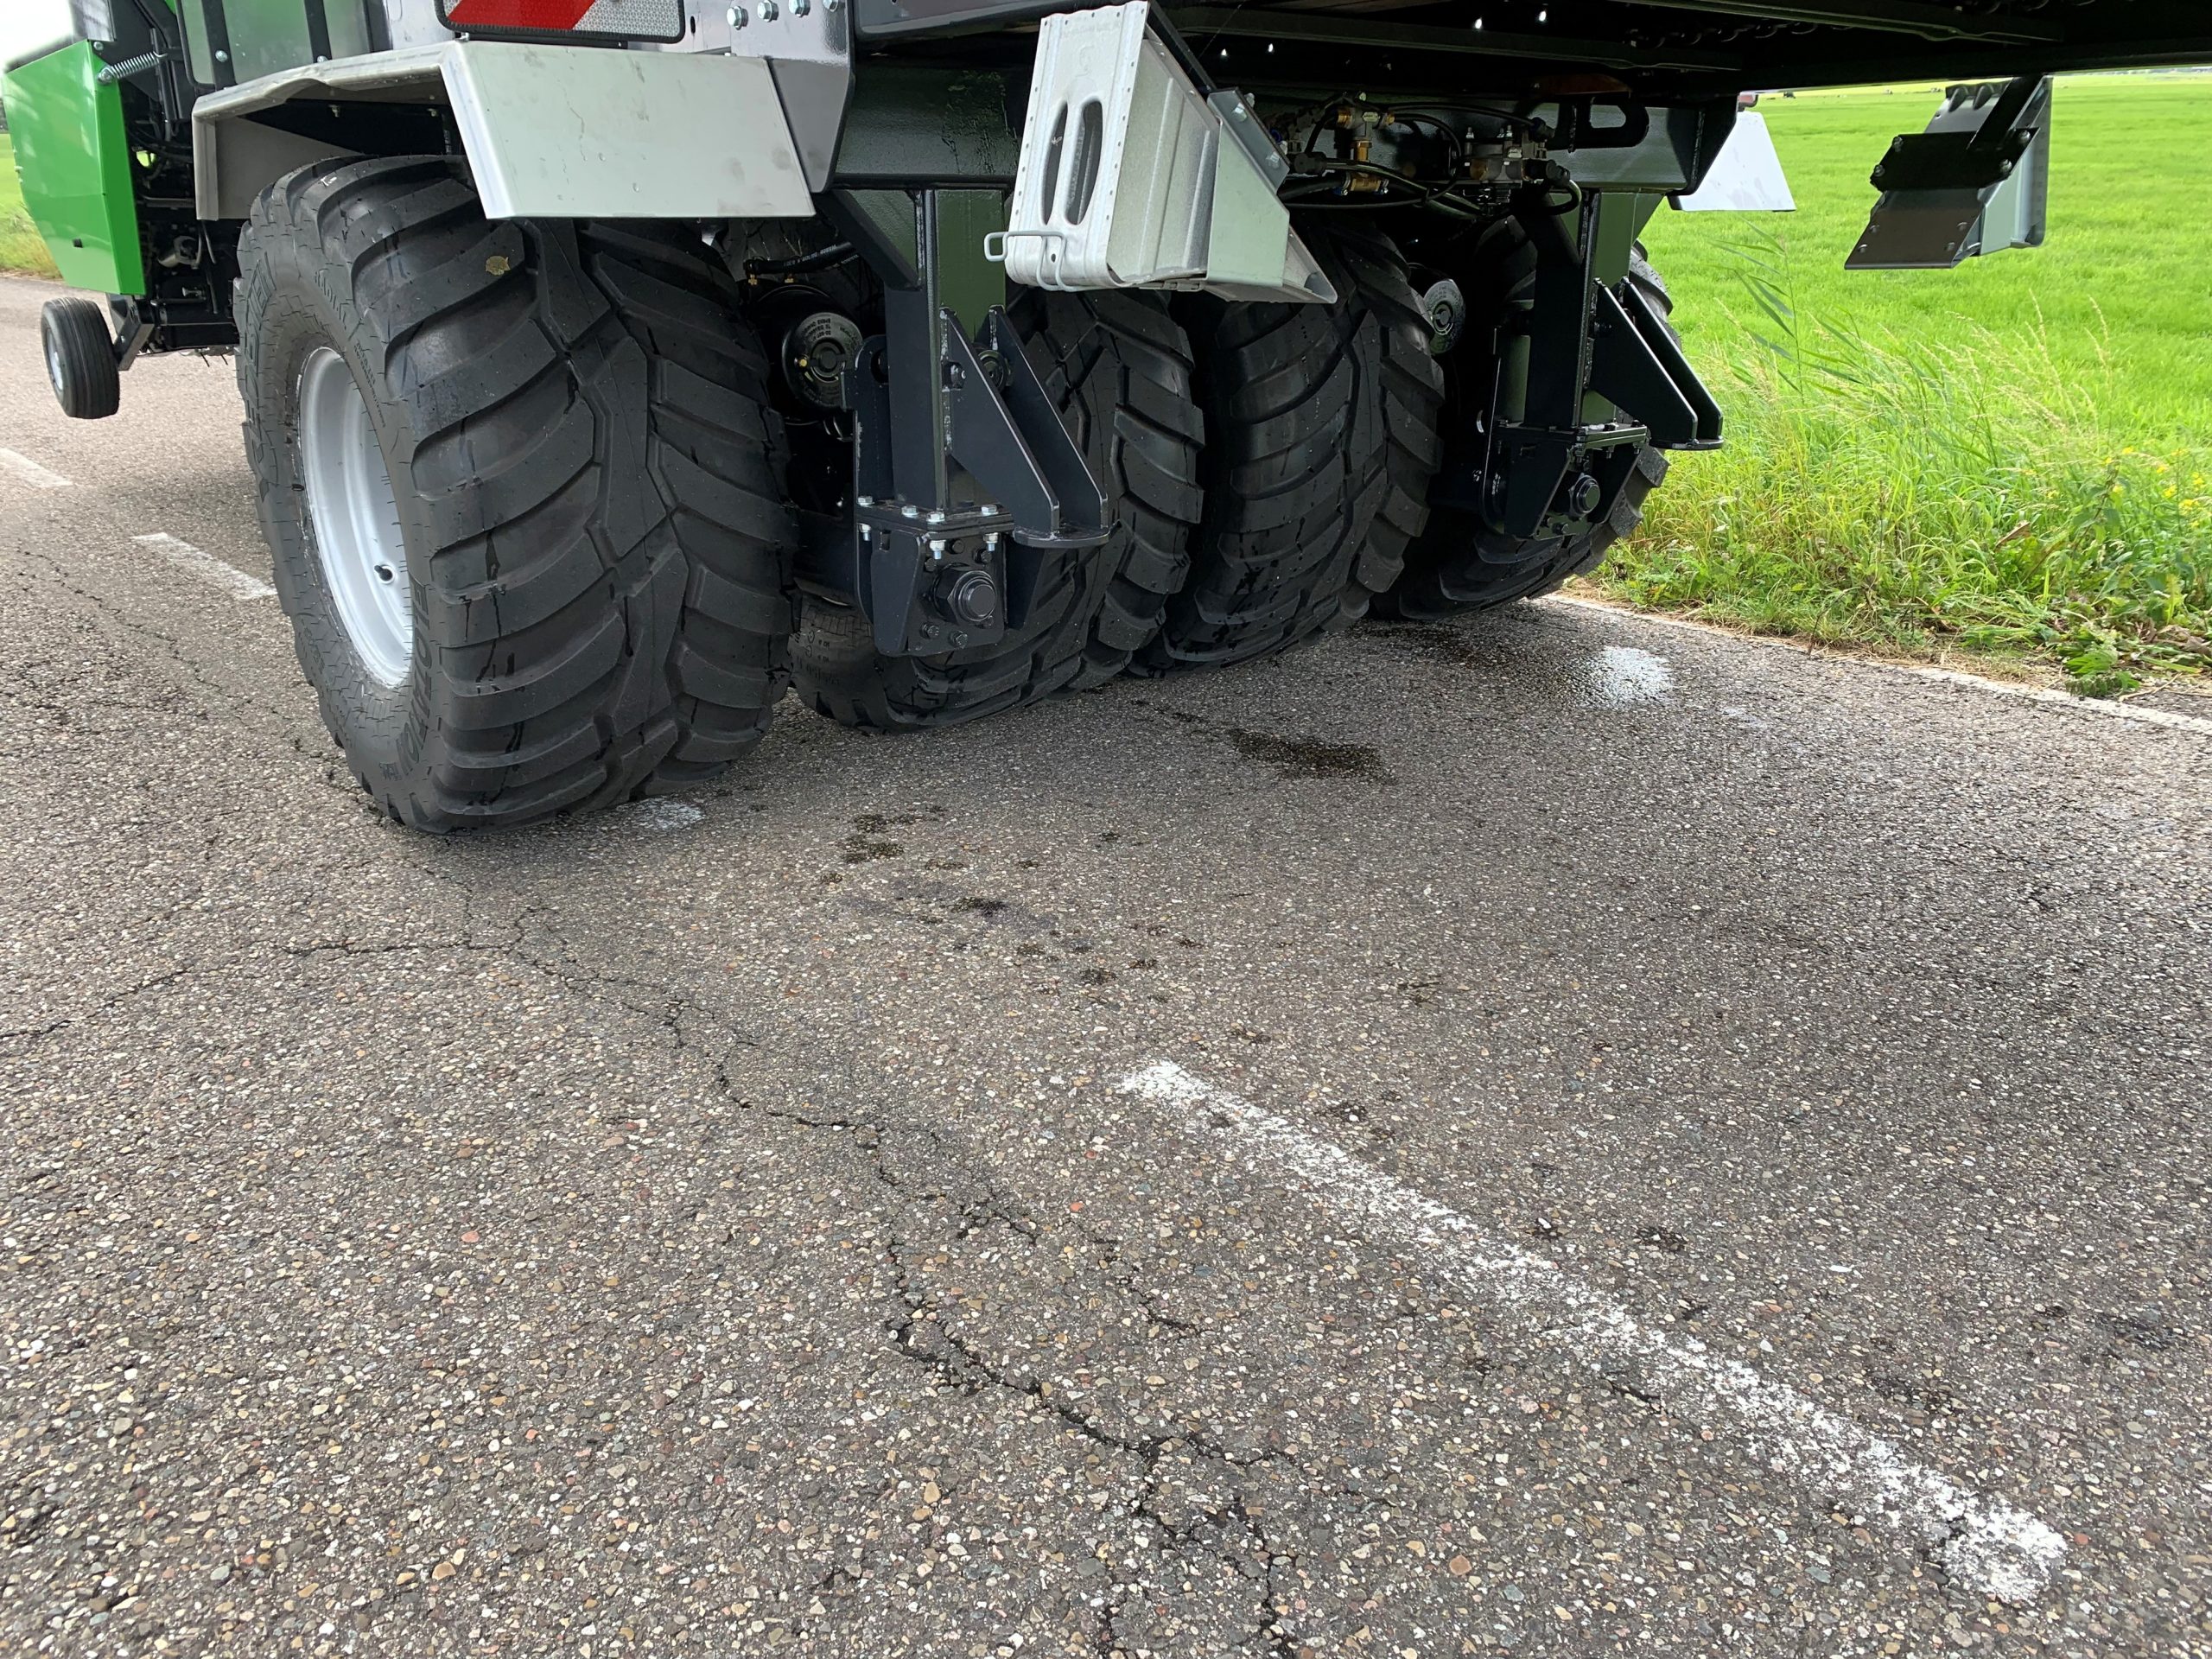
[2001, 1551]
[2144, 715]
[38, 477]
[206, 566]
[2103, 707]
[1621, 677]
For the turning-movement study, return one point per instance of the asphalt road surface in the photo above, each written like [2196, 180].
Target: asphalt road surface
[1558, 1134]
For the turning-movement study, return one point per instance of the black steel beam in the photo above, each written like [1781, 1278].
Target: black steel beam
[912, 126]
[318, 19]
[1215, 23]
[1899, 16]
[1822, 65]
[219, 43]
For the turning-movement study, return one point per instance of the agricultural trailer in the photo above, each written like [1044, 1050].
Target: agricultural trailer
[611, 366]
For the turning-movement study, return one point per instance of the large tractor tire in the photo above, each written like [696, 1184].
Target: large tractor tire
[1460, 564]
[1118, 367]
[522, 490]
[1322, 429]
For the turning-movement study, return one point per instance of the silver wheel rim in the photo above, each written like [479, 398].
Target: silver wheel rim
[53, 371]
[355, 514]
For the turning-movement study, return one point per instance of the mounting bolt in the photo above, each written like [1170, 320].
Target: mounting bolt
[736, 16]
[910, 510]
[222, 57]
[936, 518]
[800, 8]
[767, 11]
[988, 511]
[936, 547]
[863, 500]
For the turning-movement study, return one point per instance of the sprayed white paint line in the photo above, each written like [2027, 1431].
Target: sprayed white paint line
[38, 477]
[206, 566]
[2099, 707]
[2002, 1551]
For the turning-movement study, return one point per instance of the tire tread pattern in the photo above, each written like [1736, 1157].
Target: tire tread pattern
[1325, 424]
[605, 602]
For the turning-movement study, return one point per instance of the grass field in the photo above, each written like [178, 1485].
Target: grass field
[20, 248]
[2012, 460]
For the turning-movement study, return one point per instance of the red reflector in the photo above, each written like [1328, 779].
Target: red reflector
[516, 14]
[607, 20]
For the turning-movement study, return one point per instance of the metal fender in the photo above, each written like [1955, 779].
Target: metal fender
[551, 131]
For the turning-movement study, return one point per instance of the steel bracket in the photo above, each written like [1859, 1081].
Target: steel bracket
[1977, 181]
[1603, 379]
[964, 480]
[1636, 364]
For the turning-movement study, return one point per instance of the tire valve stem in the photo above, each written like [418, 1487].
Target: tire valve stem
[386, 573]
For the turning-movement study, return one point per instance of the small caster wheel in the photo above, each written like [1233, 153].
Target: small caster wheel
[80, 358]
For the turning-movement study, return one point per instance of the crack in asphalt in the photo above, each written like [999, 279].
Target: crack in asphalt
[195, 675]
[960, 1366]
[921, 1334]
[113, 1000]
[1231, 1533]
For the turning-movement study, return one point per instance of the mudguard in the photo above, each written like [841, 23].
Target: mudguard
[551, 131]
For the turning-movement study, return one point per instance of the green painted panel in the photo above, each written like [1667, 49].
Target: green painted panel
[970, 284]
[74, 161]
[1621, 220]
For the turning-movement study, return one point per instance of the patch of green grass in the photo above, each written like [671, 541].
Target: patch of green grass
[2012, 460]
[20, 247]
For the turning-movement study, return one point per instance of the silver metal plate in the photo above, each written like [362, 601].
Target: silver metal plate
[551, 131]
[1747, 178]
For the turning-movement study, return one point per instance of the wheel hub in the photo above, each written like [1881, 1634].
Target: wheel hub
[354, 514]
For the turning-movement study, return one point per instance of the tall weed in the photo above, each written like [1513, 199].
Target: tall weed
[1915, 492]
